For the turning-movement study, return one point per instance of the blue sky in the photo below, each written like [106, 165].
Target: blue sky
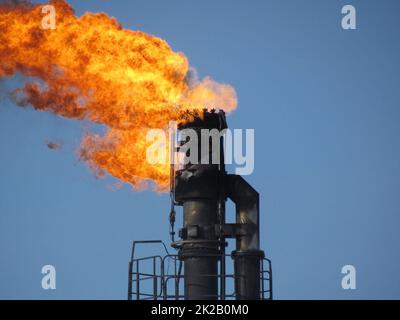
[324, 103]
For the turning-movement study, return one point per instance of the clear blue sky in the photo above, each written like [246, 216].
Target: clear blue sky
[325, 104]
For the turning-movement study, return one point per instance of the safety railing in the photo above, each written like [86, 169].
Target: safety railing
[161, 277]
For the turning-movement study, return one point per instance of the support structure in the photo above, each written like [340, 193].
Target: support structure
[201, 186]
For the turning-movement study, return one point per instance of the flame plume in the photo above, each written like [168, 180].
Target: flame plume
[90, 68]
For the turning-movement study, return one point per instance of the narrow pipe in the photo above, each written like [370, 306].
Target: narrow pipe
[247, 256]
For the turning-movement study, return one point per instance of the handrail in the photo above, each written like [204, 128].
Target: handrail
[162, 276]
[130, 267]
[134, 243]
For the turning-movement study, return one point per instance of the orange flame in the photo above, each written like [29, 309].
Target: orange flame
[90, 68]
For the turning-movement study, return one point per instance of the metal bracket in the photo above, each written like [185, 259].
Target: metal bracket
[232, 230]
